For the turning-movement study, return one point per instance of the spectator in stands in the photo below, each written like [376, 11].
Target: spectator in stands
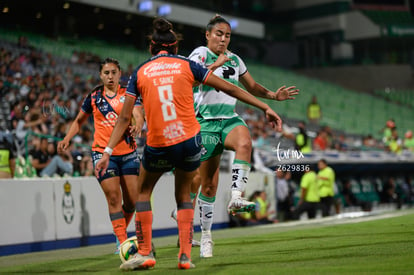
[387, 131]
[340, 143]
[388, 194]
[49, 165]
[282, 196]
[309, 195]
[395, 143]
[326, 182]
[369, 143]
[302, 141]
[314, 112]
[320, 143]
[351, 200]
[408, 142]
[262, 214]
[7, 156]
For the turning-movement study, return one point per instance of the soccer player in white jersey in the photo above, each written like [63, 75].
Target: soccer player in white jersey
[221, 127]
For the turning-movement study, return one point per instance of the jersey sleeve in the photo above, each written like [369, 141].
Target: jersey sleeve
[200, 73]
[132, 89]
[242, 66]
[199, 55]
[87, 104]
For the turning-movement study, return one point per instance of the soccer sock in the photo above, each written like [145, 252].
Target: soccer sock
[119, 226]
[128, 213]
[185, 215]
[143, 226]
[206, 206]
[240, 175]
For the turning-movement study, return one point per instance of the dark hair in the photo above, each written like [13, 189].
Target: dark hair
[109, 60]
[163, 37]
[217, 19]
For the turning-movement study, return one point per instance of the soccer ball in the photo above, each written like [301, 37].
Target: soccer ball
[128, 248]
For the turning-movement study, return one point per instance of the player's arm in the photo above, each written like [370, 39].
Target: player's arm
[234, 91]
[73, 130]
[222, 58]
[138, 120]
[258, 90]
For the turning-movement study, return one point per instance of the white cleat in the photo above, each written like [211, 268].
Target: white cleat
[139, 261]
[237, 205]
[206, 245]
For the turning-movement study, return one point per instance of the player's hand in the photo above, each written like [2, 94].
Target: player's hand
[135, 130]
[62, 145]
[274, 119]
[102, 165]
[284, 93]
[222, 58]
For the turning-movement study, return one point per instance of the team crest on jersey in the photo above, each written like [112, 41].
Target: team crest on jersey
[122, 99]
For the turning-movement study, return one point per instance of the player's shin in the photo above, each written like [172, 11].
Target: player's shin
[143, 227]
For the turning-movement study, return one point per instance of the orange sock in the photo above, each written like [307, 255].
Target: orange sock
[185, 230]
[143, 225]
[119, 226]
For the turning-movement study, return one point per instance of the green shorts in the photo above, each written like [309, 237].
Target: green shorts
[214, 133]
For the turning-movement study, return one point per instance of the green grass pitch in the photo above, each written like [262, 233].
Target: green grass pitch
[370, 245]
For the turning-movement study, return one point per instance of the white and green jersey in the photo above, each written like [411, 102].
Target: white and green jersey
[210, 103]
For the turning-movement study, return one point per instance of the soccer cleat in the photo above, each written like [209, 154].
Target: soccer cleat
[174, 215]
[184, 262]
[139, 261]
[206, 245]
[238, 205]
[195, 243]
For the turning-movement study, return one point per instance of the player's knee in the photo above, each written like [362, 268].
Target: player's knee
[244, 145]
[114, 200]
[210, 190]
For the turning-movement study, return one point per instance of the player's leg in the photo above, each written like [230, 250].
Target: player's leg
[110, 184]
[195, 187]
[113, 195]
[209, 171]
[238, 139]
[143, 222]
[129, 185]
[186, 169]
[185, 216]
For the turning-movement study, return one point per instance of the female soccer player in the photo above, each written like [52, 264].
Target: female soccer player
[120, 182]
[165, 83]
[218, 120]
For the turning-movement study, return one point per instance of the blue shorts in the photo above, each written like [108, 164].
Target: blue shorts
[118, 165]
[184, 155]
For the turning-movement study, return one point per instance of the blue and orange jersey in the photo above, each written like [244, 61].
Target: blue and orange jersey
[105, 111]
[164, 84]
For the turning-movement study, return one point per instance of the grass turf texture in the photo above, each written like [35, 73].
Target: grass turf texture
[377, 246]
